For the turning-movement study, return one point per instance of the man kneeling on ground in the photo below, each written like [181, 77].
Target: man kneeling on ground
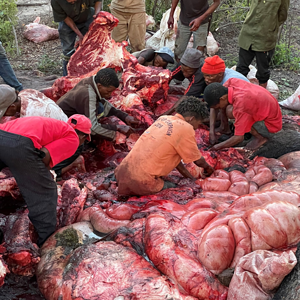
[254, 109]
[161, 148]
[88, 98]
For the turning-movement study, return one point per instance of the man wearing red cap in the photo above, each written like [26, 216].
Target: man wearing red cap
[30, 147]
[214, 70]
[82, 128]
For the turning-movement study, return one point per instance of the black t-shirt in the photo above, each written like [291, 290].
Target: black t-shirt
[148, 55]
[78, 11]
[197, 82]
[192, 9]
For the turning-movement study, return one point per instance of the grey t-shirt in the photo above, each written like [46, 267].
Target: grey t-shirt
[78, 11]
[192, 9]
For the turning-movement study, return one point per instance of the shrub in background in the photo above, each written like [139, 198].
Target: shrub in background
[8, 18]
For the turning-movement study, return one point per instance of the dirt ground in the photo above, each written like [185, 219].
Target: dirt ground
[40, 64]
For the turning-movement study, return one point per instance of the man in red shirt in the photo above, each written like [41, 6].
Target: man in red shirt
[254, 109]
[30, 147]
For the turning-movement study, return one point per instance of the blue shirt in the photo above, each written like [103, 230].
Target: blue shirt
[229, 73]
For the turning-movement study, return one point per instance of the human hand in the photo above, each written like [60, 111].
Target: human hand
[208, 170]
[215, 147]
[212, 138]
[130, 120]
[171, 22]
[47, 157]
[195, 24]
[79, 42]
[127, 130]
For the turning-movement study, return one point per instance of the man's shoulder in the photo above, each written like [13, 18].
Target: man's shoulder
[55, 3]
[230, 73]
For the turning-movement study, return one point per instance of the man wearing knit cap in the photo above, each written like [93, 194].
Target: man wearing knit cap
[214, 70]
[190, 67]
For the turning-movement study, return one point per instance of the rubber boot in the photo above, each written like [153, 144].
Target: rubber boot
[65, 71]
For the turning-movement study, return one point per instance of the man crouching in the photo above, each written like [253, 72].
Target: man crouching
[253, 108]
[161, 148]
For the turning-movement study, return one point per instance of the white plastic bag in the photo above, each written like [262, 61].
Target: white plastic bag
[271, 86]
[164, 37]
[212, 46]
[292, 102]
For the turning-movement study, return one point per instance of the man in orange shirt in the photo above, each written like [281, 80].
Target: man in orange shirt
[161, 148]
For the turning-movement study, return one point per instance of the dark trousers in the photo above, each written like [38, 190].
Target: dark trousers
[34, 180]
[68, 36]
[58, 168]
[263, 60]
[6, 71]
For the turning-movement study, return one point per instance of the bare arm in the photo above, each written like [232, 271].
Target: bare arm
[73, 26]
[141, 60]
[198, 21]
[183, 171]
[229, 143]
[98, 8]
[212, 124]
[171, 17]
[47, 158]
[208, 169]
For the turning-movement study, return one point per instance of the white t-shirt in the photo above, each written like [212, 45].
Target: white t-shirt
[35, 103]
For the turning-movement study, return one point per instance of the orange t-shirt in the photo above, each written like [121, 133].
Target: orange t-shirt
[156, 153]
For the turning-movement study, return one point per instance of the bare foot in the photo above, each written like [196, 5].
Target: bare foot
[223, 130]
[255, 143]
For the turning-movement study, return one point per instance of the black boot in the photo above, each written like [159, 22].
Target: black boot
[65, 71]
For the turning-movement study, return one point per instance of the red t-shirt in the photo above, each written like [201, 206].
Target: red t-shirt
[58, 137]
[252, 103]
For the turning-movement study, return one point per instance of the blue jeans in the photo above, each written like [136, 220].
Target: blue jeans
[68, 37]
[6, 71]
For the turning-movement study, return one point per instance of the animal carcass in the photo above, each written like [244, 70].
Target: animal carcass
[73, 266]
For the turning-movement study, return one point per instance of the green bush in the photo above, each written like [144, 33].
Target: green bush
[49, 64]
[8, 18]
[229, 12]
[287, 57]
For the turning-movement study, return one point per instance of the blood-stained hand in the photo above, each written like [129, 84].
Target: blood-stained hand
[171, 22]
[212, 138]
[127, 130]
[208, 170]
[131, 121]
